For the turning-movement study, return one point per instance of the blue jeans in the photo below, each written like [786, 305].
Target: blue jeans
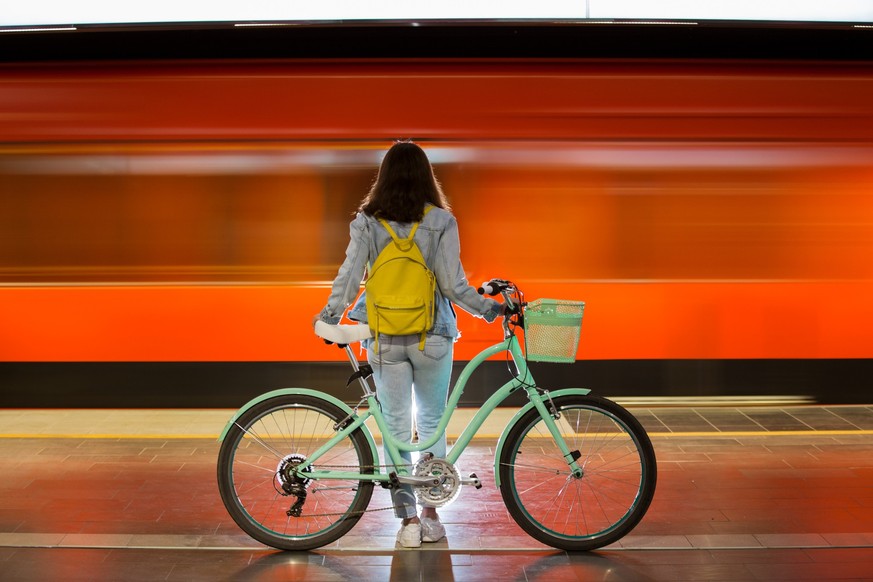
[399, 370]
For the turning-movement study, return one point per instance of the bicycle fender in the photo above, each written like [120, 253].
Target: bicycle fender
[283, 391]
[524, 409]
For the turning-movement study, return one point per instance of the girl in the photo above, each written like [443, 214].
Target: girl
[404, 186]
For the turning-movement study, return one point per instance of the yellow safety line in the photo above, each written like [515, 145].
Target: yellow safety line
[700, 434]
[106, 436]
[738, 433]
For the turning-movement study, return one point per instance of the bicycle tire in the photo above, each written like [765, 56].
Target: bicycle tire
[596, 509]
[255, 473]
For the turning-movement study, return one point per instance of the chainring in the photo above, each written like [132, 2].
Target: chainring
[450, 482]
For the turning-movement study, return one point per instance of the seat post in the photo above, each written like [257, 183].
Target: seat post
[362, 378]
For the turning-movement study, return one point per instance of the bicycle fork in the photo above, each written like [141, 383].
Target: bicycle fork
[549, 415]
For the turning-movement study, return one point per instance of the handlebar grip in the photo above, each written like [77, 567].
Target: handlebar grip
[489, 288]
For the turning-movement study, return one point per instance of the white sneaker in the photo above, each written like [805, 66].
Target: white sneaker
[432, 530]
[409, 535]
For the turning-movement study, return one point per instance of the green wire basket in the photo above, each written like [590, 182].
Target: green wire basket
[551, 330]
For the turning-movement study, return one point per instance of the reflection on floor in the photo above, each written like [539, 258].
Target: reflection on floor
[757, 493]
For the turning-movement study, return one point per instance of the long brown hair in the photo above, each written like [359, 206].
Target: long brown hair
[404, 184]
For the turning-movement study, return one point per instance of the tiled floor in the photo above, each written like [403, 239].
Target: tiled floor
[751, 493]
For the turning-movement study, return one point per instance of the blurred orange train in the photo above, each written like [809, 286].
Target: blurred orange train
[171, 227]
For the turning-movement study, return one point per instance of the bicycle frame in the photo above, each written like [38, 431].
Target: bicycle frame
[523, 379]
[576, 471]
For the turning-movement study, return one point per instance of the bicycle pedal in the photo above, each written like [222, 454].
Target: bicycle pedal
[473, 480]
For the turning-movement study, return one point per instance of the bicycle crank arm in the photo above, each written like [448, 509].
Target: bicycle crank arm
[473, 480]
[418, 481]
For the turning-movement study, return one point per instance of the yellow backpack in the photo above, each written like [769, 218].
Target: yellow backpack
[400, 288]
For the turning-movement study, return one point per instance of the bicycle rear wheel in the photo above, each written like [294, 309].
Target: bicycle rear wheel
[260, 488]
[587, 512]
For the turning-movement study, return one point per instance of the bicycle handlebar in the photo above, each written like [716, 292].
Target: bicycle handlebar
[495, 287]
[513, 299]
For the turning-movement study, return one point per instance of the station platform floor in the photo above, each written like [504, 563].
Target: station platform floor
[744, 493]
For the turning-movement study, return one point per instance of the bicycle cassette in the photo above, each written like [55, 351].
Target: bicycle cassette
[449, 482]
[287, 479]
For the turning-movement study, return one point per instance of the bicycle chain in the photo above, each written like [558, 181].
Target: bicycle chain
[353, 513]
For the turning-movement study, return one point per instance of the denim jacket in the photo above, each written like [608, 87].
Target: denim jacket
[437, 237]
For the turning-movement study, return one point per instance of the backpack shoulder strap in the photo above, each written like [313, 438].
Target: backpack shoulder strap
[414, 228]
[391, 230]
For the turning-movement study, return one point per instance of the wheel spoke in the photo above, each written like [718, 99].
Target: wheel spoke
[578, 513]
[258, 482]
[537, 468]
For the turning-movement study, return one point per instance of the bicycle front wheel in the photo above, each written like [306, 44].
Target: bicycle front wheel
[268, 498]
[578, 512]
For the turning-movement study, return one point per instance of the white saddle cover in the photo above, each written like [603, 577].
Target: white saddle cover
[342, 334]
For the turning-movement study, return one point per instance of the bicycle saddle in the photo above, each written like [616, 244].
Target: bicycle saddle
[342, 334]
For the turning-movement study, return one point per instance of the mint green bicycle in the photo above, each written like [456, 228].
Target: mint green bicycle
[297, 467]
